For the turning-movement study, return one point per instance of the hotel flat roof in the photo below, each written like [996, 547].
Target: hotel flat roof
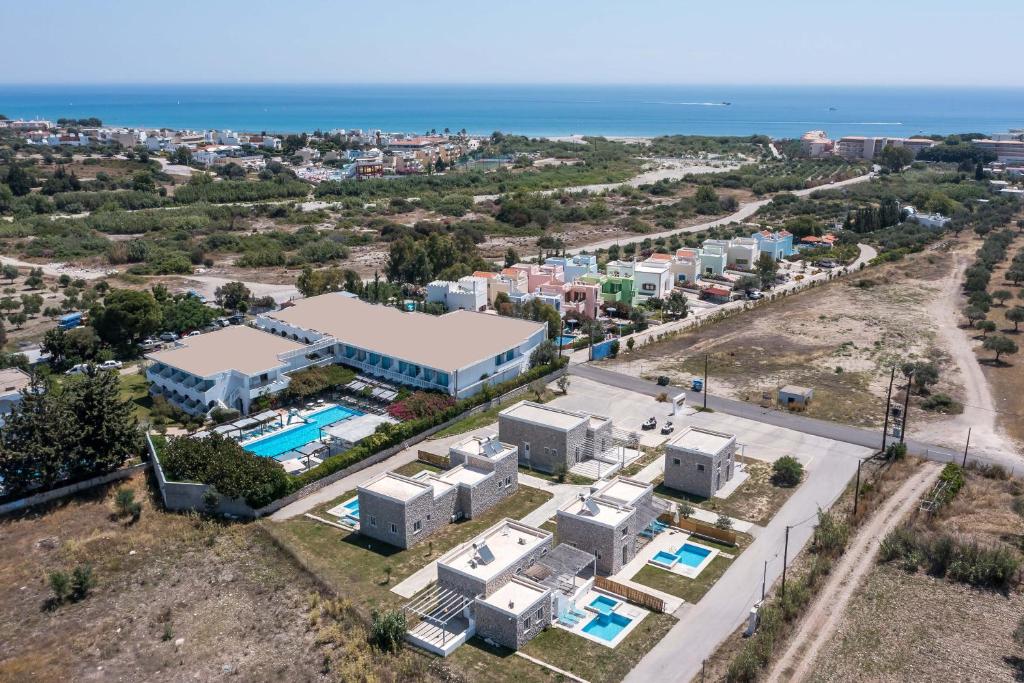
[247, 350]
[13, 380]
[545, 415]
[447, 342]
[495, 550]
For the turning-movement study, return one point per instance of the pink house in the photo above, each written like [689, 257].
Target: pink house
[549, 280]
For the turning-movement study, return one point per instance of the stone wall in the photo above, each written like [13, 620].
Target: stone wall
[601, 540]
[512, 631]
[491, 491]
[471, 586]
[549, 448]
[695, 473]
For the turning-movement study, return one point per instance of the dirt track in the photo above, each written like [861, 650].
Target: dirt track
[826, 611]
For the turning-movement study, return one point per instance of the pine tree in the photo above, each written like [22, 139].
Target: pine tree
[108, 433]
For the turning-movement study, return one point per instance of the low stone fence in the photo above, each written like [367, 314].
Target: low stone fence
[70, 489]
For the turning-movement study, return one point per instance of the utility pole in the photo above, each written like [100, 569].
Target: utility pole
[785, 558]
[856, 490]
[888, 405]
[705, 381]
[764, 580]
[966, 446]
[906, 406]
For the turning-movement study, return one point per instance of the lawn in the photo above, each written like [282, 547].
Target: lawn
[755, 500]
[692, 590]
[135, 388]
[597, 663]
[358, 567]
[490, 415]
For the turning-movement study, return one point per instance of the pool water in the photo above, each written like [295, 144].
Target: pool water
[665, 557]
[291, 438]
[692, 555]
[353, 508]
[565, 340]
[603, 603]
[607, 626]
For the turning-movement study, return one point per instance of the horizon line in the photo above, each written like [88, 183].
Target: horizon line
[610, 84]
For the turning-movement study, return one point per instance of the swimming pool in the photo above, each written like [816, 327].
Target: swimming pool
[293, 437]
[689, 554]
[353, 508]
[607, 625]
[565, 340]
[604, 604]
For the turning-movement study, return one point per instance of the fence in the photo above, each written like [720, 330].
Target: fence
[442, 461]
[630, 593]
[63, 491]
[698, 528]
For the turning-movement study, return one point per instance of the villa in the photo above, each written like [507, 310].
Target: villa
[653, 279]
[778, 244]
[403, 511]
[550, 439]
[574, 267]
[741, 253]
[699, 461]
[469, 293]
[506, 585]
[608, 523]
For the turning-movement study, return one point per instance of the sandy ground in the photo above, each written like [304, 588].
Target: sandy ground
[825, 613]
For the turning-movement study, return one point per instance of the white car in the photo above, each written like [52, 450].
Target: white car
[80, 369]
[111, 365]
[193, 333]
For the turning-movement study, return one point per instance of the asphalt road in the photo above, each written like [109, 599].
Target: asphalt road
[795, 421]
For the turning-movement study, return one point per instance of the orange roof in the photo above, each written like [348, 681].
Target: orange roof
[720, 291]
[661, 257]
[811, 238]
[511, 272]
[688, 253]
[484, 273]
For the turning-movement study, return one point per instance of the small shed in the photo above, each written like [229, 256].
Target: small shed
[794, 397]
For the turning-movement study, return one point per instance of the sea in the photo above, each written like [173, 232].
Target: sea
[534, 110]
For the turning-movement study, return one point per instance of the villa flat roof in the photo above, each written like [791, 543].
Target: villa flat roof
[483, 447]
[624, 491]
[464, 475]
[241, 348]
[545, 415]
[503, 543]
[701, 440]
[447, 342]
[395, 486]
[592, 507]
[516, 596]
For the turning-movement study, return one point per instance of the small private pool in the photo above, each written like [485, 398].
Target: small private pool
[606, 625]
[604, 604]
[689, 555]
[565, 340]
[352, 507]
[298, 435]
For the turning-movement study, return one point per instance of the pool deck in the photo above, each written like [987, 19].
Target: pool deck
[637, 614]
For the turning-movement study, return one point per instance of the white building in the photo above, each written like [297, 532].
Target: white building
[741, 253]
[469, 293]
[457, 353]
[653, 279]
[230, 368]
[12, 382]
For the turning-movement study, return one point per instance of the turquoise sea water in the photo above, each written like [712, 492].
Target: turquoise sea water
[532, 110]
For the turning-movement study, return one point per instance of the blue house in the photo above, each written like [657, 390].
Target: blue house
[778, 243]
[574, 267]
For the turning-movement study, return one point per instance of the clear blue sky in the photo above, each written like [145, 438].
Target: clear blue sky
[870, 42]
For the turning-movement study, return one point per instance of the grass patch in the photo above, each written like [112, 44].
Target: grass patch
[692, 590]
[357, 566]
[570, 478]
[490, 415]
[413, 468]
[597, 663]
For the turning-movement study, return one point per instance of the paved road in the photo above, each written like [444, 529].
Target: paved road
[801, 423]
[702, 626]
[745, 211]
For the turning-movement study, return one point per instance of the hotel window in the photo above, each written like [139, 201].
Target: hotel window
[700, 468]
[677, 461]
[417, 526]
[394, 529]
[508, 481]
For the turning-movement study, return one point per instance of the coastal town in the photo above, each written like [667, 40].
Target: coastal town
[454, 406]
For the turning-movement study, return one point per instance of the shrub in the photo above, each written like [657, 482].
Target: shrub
[388, 629]
[60, 584]
[896, 451]
[942, 403]
[420, 405]
[224, 465]
[125, 504]
[82, 581]
[686, 510]
[223, 415]
[723, 522]
[830, 535]
[787, 471]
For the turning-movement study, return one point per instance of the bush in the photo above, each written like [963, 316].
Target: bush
[896, 451]
[830, 535]
[787, 471]
[420, 404]
[224, 465]
[942, 403]
[60, 584]
[125, 504]
[224, 415]
[82, 581]
[388, 629]
[724, 522]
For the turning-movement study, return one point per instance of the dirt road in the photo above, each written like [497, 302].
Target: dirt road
[826, 611]
[979, 407]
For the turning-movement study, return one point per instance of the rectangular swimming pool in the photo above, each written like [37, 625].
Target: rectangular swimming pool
[692, 555]
[293, 437]
[604, 604]
[607, 626]
[353, 508]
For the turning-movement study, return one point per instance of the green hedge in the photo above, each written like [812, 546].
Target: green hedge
[391, 435]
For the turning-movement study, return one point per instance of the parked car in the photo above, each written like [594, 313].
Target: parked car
[111, 365]
[649, 423]
[755, 294]
[236, 319]
[667, 427]
[168, 337]
[193, 333]
[663, 380]
[827, 263]
[80, 369]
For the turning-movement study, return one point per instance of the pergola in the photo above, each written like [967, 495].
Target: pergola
[438, 607]
[313, 449]
[224, 430]
[266, 417]
[560, 568]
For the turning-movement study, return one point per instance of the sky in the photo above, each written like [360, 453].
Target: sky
[728, 42]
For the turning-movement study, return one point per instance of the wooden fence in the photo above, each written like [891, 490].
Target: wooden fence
[630, 593]
[711, 531]
[442, 461]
